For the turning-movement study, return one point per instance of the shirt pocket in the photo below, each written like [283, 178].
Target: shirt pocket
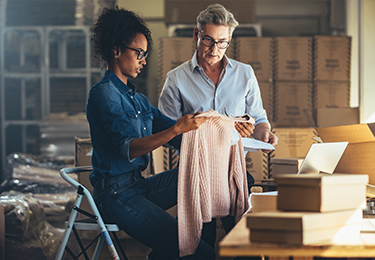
[147, 120]
[135, 120]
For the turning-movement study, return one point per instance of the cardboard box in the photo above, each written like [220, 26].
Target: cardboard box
[336, 116]
[331, 94]
[293, 59]
[304, 228]
[186, 11]
[258, 52]
[293, 142]
[263, 201]
[359, 154]
[321, 192]
[285, 165]
[82, 151]
[293, 104]
[257, 165]
[231, 50]
[173, 51]
[332, 57]
[266, 90]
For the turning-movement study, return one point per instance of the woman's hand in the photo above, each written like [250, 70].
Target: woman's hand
[189, 122]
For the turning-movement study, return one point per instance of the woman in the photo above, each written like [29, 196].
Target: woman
[124, 128]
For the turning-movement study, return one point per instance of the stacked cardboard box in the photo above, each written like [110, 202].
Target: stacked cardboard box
[293, 143]
[304, 83]
[173, 51]
[312, 209]
[293, 82]
[331, 75]
[359, 154]
[258, 52]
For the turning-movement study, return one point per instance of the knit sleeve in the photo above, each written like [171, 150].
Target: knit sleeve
[238, 181]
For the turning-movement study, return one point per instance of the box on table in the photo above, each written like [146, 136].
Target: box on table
[263, 201]
[321, 192]
[285, 165]
[332, 57]
[258, 52]
[303, 228]
[293, 142]
[359, 155]
[293, 104]
[293, 59]
[331, 116]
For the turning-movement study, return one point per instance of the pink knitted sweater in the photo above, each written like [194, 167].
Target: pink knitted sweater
[211, 181]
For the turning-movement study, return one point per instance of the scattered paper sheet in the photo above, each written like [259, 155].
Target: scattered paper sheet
[253, 145]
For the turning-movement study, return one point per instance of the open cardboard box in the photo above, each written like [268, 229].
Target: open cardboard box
[359, 155]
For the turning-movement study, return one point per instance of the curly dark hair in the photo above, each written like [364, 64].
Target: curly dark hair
[115, 29]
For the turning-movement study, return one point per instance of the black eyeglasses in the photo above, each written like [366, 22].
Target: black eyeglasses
[209, 42]
[141, 53]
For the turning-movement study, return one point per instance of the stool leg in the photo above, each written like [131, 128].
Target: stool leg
[118, 243]
[98, 248]
[68, 229]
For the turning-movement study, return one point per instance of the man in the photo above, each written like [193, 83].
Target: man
[210, 80]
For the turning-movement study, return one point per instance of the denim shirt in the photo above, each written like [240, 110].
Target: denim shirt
[117, 114]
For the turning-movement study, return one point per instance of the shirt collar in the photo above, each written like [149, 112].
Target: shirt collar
[195, 65]
[119, 84]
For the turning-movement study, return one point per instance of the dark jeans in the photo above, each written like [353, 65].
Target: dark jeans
[137, 205]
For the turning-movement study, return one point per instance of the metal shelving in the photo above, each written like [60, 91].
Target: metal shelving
[43, 69]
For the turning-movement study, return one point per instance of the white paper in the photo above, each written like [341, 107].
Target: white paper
[253, 145]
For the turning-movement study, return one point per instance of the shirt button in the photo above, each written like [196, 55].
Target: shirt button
[139, 112]
[136, 115]
[131, 97]
[144, 128]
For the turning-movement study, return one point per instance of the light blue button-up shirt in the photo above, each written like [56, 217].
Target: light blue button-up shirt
[187, 89]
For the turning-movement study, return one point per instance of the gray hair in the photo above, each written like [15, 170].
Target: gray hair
[218, 15]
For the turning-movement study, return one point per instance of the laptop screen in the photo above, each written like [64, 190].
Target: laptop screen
[323, 157]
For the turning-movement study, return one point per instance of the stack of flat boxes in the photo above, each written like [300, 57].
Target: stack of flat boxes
[312, 209]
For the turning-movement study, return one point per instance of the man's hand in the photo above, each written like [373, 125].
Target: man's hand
[245, 129]
[263, 133]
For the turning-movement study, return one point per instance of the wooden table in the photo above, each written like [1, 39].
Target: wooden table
[237, 243]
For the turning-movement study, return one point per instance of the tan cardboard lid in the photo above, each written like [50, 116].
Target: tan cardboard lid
[287, 160]
[372, 127]
[297, 221]
[351, 133]
[79, 140]
[320, 179]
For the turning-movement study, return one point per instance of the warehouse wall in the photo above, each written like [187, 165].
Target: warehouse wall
[277, 18]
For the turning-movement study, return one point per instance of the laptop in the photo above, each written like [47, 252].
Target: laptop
[322, 157]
